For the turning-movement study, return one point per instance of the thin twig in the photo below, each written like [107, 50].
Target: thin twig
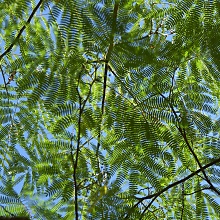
[146, 208]
[107, 58]
[189, 194]
[7, 93]
[5, 84]
[183, 201]
[77, 153]
[7, 211]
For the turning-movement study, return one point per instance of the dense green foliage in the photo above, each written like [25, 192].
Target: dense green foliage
[109, 109]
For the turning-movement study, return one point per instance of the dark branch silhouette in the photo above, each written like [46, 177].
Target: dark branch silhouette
[21, 30]
[156, 195]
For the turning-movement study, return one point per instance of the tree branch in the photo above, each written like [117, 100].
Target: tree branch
[75, 162]
[155, 195]
[183, 133]
[21, 30]
[82, 105]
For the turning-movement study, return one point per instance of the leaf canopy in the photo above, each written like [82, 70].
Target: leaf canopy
[110, 109]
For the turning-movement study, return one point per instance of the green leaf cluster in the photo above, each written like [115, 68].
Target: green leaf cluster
[112, 110]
